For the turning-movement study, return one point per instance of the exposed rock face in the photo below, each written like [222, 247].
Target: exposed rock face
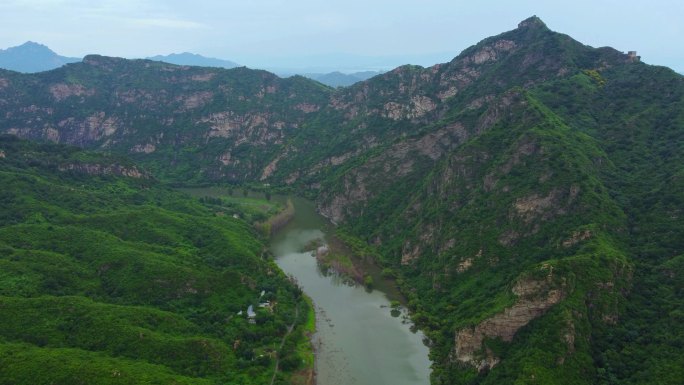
[532, 22]
[195, 100]
[464, 265]
[535, 207]
[409, 253]
[146, 148]
[270, 168]
[62, 91]
[355, 192]
[255, 128]
[577, 237]
[534, 299]
[322, 251]
[108, 169]
[490, 52]
[203, 77]
[259, 112]
[307, 107]
[225, 158]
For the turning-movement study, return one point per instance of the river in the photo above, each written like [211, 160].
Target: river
[358, 338]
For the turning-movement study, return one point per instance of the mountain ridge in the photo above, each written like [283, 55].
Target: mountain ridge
[108, 275]
[187, 58]
[32, 57]
[520, 191]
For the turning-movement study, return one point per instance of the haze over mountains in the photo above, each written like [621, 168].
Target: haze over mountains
[192, 59]
[32, 57]
[527, 195]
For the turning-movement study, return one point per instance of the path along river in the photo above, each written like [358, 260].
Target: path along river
[358, 340]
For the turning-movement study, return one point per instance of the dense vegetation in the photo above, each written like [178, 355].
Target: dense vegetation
[113, 279]
[637, 113]
[531, 172]
[190, 124]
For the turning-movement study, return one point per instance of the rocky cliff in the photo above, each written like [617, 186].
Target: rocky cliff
[534, 298]
[473, 179]
[162, 113]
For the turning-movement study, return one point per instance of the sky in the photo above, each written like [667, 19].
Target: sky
[324, 34]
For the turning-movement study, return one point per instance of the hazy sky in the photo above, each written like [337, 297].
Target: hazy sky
[281, 33]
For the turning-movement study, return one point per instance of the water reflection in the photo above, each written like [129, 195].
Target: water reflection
[362, 337]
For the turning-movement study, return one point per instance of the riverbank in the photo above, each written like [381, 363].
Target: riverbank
[360, 337]
[354, 335]
[293, 357]
[306, 349]
[277, 221]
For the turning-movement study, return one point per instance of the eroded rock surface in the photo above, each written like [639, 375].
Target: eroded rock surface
[535, 297]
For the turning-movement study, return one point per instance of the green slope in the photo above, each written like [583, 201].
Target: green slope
[530, 172]
[113, 279]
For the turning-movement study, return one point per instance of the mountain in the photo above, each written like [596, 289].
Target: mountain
[323, 63]
[108, 274]
[198, 123]
[339, 79]
[191, 59]
[527, 194]
[32, 57]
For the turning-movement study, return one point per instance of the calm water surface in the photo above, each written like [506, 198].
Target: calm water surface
[358, 340]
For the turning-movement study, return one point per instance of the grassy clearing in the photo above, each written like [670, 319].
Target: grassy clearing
[304, 347]
[337, 261]
[277, 221]
[310, 325]
[253, 207]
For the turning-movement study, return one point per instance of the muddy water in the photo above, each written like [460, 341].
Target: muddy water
[359, 340]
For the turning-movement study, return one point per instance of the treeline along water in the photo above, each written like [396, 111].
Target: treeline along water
[359, 340]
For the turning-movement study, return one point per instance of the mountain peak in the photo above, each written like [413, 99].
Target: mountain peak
[30, 43]
[101, 60]
[532, 22]
[29, 47]
[32, 57]
[193, 59]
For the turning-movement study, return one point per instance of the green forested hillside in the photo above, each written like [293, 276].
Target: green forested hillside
[527, 195]
[106, 278]
[227, 124]
[637, 114]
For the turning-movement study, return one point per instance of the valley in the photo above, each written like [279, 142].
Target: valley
[358, 339]
[525, 197]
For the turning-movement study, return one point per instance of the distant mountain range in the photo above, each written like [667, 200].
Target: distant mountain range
[339, 79]
[32, 57]
[528, 196]
[191, 59]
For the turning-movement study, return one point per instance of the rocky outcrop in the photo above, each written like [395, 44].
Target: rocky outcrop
[254, 128]
[535, 297]
[62, 91]
[354, 192]
[409, 253]
[307, 108]
[532, 22]
[144, 148]
[465, 264]
[104, 169]
[270, 168]
[577, 237]
[490, 52]
[194, 100]
[536, 207]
